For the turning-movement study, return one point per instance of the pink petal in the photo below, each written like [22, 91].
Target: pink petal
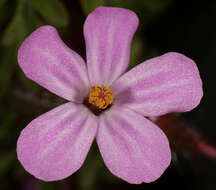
[133, 148]
[168, 83]
[54, 145]
[45, 59]
[108, 32]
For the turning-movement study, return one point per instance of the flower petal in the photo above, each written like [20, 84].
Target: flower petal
[108, 33]
[45, 59]
[54, 145]
[133, 148]
[168, 83]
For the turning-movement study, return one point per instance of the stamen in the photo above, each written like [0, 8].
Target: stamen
[101, 96]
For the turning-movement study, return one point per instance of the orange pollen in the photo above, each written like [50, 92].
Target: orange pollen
[101, 96]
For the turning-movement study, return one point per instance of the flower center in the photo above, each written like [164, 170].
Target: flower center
[101, 97]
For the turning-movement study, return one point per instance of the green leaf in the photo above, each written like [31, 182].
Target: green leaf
[16, 31]
[7, 10]
[6, 160]
[6, 69]
[2, 2]
[51, 10]
[22, 24]
[7, 119]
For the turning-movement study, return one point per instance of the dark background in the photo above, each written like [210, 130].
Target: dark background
[185, 26]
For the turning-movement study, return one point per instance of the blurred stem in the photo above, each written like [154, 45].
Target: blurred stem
[205, 149]
[182, 136]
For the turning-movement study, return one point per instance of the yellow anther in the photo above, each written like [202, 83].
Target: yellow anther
[101, 96]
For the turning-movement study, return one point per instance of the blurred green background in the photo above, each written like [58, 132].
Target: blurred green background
[185, 26]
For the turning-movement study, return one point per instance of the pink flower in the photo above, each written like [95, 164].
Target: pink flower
[104, 102]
